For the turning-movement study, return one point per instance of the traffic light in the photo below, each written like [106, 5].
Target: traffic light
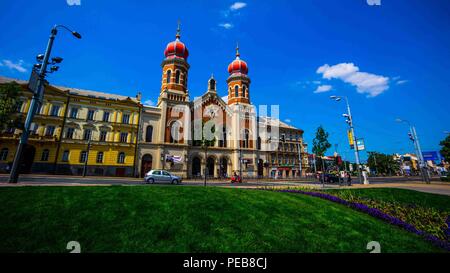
[411, 137]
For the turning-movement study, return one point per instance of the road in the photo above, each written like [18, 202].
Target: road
[411, 183]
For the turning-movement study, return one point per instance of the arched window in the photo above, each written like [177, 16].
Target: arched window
[246, 138]
[212, 84]
[149, 134]
[236, 91]
[121, 158]
[4, 154]
[175, 132]
[45, 154]
[177, 76]
[169, 74]
[223, 141]
[244, 90]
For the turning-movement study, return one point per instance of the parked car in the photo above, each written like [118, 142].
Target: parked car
[331, 178]
[156, 176]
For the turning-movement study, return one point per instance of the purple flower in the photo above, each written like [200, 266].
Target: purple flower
[447, 231]
[381, 215]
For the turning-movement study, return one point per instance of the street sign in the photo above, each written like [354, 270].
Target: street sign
[33, 82]
[360, 143]
[431, 155]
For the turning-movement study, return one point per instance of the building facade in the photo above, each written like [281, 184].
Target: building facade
[76, 132]
[82, 132]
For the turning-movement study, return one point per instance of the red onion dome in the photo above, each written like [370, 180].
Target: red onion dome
[238, 65]
[176, 49]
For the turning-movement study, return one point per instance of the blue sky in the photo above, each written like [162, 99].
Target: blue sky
[391, 60]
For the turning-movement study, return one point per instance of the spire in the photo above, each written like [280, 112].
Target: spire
[237, 51]
[178, 30]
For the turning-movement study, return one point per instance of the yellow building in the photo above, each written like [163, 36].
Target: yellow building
[75, 132]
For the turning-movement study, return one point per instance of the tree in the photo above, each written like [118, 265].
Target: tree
[9, 100]
[320, 145]
[382, 163]
[445, 151]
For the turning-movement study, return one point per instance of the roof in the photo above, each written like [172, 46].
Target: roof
[76, 91]
[95, 94]
[274, 122]
[7, 80]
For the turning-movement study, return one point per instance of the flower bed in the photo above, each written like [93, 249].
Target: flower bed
[383, 211]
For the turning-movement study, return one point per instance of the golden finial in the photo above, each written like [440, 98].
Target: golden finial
[178, 30]
[237, 49]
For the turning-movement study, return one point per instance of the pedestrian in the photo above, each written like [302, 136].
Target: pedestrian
[349, 179]
[342, 177]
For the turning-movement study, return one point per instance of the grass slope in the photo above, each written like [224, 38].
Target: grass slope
[187, 219]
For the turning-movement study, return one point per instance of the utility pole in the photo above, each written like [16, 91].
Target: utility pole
[352, 130]
[423, 164]
[414, 138]
[36, 100]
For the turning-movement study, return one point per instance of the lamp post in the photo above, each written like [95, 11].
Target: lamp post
[350, 123]
[415, 139]
[38, 94]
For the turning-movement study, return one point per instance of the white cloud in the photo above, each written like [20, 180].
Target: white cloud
[225, 99]
[402, 82]
[73, 2]
[288, 120]
[238, 5]
[337, 71]
[226, 25]
[365, 83]
[19, 66]
[323, 89]
[149, 103]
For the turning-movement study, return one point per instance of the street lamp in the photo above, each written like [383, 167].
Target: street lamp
[415, 139]
[349, 121]
[38, 94]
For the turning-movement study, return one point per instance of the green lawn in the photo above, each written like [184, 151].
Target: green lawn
[187, 219]
[402, 196]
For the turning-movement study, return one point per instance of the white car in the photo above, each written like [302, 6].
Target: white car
[155, 176]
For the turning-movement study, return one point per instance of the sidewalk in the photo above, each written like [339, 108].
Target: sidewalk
[435, 187]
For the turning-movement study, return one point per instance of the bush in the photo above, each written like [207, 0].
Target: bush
[445, 178]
